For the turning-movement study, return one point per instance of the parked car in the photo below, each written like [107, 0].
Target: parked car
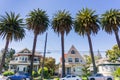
[71, 77]
[100, 76]
[19, 76]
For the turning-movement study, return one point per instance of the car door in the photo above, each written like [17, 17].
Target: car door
[99, 77]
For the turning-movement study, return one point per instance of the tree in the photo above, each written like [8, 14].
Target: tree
[88, 59]
[86, 71]
[111, 22]
[50, 64]
[113, 54]
[38, 22]
[87, 23]
[9, 55]
[61, 24]
[10, 28]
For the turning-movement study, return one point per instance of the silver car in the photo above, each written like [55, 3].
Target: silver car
[71, 77]
[100, 76]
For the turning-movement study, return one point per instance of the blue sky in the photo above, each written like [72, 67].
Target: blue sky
[101, 41]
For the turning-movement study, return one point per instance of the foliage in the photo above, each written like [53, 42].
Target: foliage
[111, 20]
[88, 59]
[62, 22]
[117, 72]
[50, 64]
[45, 72]
[113, 54]
[8, 73]
[11, 27]
[9, 55]
[37, 21]
[34, 73]
[86, 71]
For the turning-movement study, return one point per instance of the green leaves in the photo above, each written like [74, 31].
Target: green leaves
[37, 21]
[11, 27]
[62, 22]
[113, 54]
[86, 22]
[111, 20]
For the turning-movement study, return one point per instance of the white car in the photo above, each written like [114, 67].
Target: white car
[71, 77]
[99, 76]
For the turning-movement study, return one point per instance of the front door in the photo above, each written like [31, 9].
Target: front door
[69, 70]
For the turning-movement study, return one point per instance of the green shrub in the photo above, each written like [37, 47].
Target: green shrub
[34, 73]
[8, 73]
[45, 72]
[56, 79]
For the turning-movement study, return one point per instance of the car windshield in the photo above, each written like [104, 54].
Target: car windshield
[99, 75]
[21, 73]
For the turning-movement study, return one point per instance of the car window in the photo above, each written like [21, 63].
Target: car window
[97, 75]
[68, 76]
[73, 76]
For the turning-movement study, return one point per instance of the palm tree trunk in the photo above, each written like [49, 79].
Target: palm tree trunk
[92, 54]
[4, 54]
[42, 76]
[32, 57]
[63, 58]
[117, 38]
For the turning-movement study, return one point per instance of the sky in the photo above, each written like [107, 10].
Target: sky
[102, 41]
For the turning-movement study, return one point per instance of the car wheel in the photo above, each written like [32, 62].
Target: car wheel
[109, 79]
[23, 79]
[8, 79]
[92, 79]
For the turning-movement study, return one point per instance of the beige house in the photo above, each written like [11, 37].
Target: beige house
[73, 62]
[22, 61]
[106, 67]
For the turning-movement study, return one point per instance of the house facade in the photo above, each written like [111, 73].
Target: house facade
[22, 61]
[73, 62]
[106, 67]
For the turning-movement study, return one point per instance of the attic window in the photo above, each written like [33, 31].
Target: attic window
[72, 52]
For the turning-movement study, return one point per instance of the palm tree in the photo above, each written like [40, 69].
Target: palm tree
[62, 23]
[87, 23]
[111, 22]
[10, 28]
[38, 22]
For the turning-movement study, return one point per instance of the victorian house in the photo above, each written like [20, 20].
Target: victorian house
[22, 61]
[74, 62]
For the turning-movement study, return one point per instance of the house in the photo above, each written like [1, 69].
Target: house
[106, 67]
[22, 61]
[73, 62]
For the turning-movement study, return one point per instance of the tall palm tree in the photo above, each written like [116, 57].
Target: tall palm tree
[62, 23]
[10, 28]
[38, 22]
[87, 23]
[111, 23]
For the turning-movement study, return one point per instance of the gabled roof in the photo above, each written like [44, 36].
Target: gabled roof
[27, 52]
[77, 54]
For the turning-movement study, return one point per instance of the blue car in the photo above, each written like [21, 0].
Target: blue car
[19, 76]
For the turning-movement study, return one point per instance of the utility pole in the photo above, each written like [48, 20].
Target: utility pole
[42, 75]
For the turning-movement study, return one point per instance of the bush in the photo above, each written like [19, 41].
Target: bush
[45, 72]
[34, 73]
[8, 73]
[56, 79]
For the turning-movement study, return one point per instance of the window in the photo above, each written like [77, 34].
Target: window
[76, 59]
[72, 52]
[69, 59]
[80, 60]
